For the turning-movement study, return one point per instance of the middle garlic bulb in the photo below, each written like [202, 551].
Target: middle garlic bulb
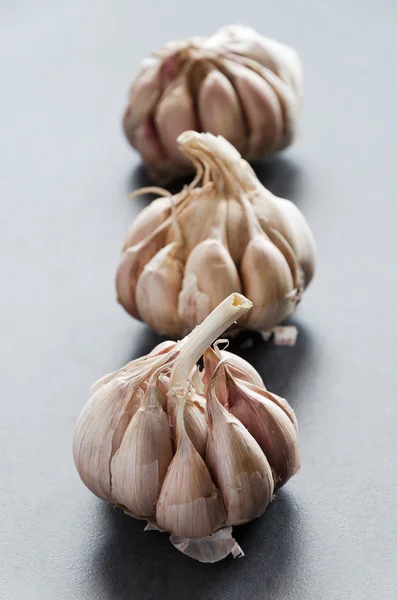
[192, 453]
[223, 233]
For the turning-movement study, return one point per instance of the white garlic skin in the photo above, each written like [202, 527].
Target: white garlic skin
[223, 233]
[244, 86]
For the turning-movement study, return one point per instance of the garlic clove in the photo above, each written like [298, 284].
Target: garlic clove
[289, 104]
[298, 276]
[139, 465]
[99, 430]
[237, 230]
[283, 216]
[146, 140]
[300, 238]
[197, 382]
[280, 402]
[211, 359]
[209, 549]
[145, 223]
[288, 99]
[138, 121]
[129, 269]
[193, 305]
[289, 66]
[194, 416]
[261, 109]
[132, 263]
[219, 109]
[237, 464]
[244, 41]
[157, 291]
[175, 114]
[160, 166]
[170, 68]
[142, 98]
[269, 423]
[267, 281]
[195, 421]
[279, 58]
[189, 505]
[215, 276]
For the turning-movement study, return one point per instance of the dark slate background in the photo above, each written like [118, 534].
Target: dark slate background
[65, 170]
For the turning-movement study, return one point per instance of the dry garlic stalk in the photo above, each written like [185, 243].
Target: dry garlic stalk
[221, 234]
[237, 84]
[192, 453]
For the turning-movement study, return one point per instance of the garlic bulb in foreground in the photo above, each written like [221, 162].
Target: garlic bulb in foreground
[237, 84]
[158, 440]
[221, 234]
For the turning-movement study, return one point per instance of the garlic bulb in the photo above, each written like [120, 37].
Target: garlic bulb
[221, 234]
[156, 440]
[237, 84]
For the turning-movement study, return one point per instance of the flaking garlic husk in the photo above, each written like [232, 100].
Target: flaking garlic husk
[236, 83]
[155, 440]
[221, 234]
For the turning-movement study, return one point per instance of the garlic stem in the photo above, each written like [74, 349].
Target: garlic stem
[226, 313]
[223, 161]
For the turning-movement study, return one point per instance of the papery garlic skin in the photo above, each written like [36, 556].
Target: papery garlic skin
[221, 234]
[236, 83]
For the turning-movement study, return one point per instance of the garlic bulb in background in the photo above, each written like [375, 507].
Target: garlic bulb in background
[190, 462]
[221, 234]
[237, 84]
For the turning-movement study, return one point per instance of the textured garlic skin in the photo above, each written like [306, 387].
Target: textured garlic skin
[157, 439]
[236, 83]
[223, 233]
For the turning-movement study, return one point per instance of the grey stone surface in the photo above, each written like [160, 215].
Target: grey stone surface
[65, 171]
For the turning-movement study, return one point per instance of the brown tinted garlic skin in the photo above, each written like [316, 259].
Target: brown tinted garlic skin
[221, 234]
[237, 84]
[157, 440]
